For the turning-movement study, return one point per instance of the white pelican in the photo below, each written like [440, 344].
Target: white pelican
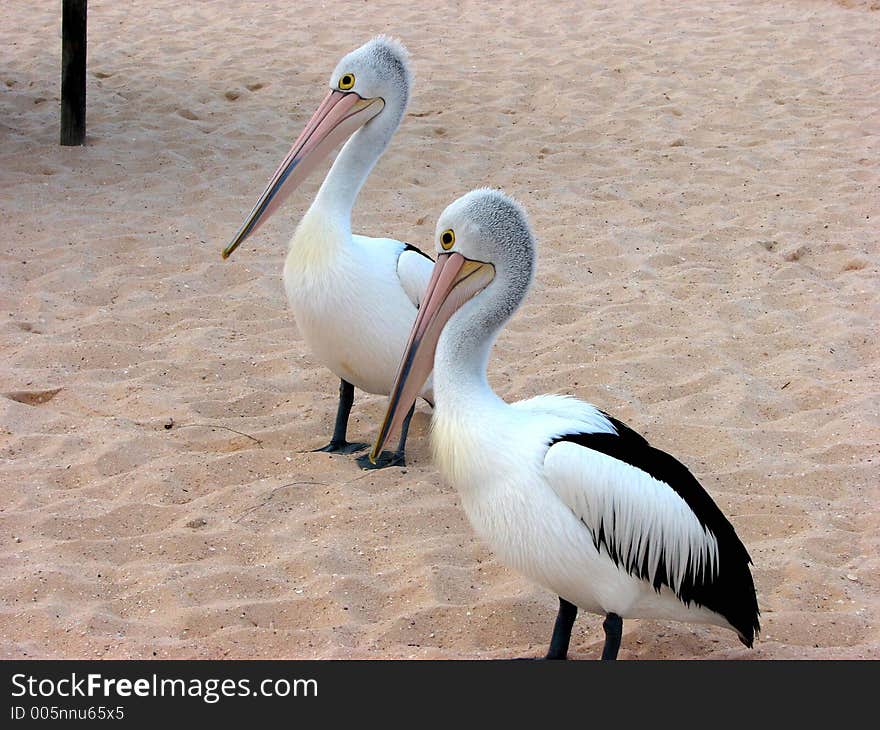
[563, 492]
[354, 297]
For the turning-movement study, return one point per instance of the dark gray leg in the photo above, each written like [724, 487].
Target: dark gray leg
[613, 626]
[562, 630]
[395, 458]
[338, 444]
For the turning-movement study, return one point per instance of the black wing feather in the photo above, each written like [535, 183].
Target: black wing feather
[410, 247]
[731, 591]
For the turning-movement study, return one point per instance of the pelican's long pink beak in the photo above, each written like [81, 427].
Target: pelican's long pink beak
[337, 118]
[454, 281]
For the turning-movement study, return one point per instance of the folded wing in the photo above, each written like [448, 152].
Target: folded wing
[654, 520]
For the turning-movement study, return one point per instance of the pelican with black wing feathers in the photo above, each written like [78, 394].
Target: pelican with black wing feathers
[354, 297]
[563, 492]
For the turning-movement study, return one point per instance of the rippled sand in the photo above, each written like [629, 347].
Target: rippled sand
[704, 182]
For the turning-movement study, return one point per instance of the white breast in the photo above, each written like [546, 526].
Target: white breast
[496, 469]
[349, 304]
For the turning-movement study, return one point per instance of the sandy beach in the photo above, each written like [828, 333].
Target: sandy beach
[704, 183]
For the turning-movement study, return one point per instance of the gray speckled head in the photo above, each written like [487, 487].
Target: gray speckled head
[380, 68]
[492, 227]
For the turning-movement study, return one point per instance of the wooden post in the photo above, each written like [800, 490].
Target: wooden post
[73, 72]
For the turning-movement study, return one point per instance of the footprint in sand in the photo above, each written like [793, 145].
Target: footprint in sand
[33, 397]
[28, 327]
[797, 254]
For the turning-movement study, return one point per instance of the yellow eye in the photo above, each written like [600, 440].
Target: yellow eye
[447, 238]
[346, 82]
